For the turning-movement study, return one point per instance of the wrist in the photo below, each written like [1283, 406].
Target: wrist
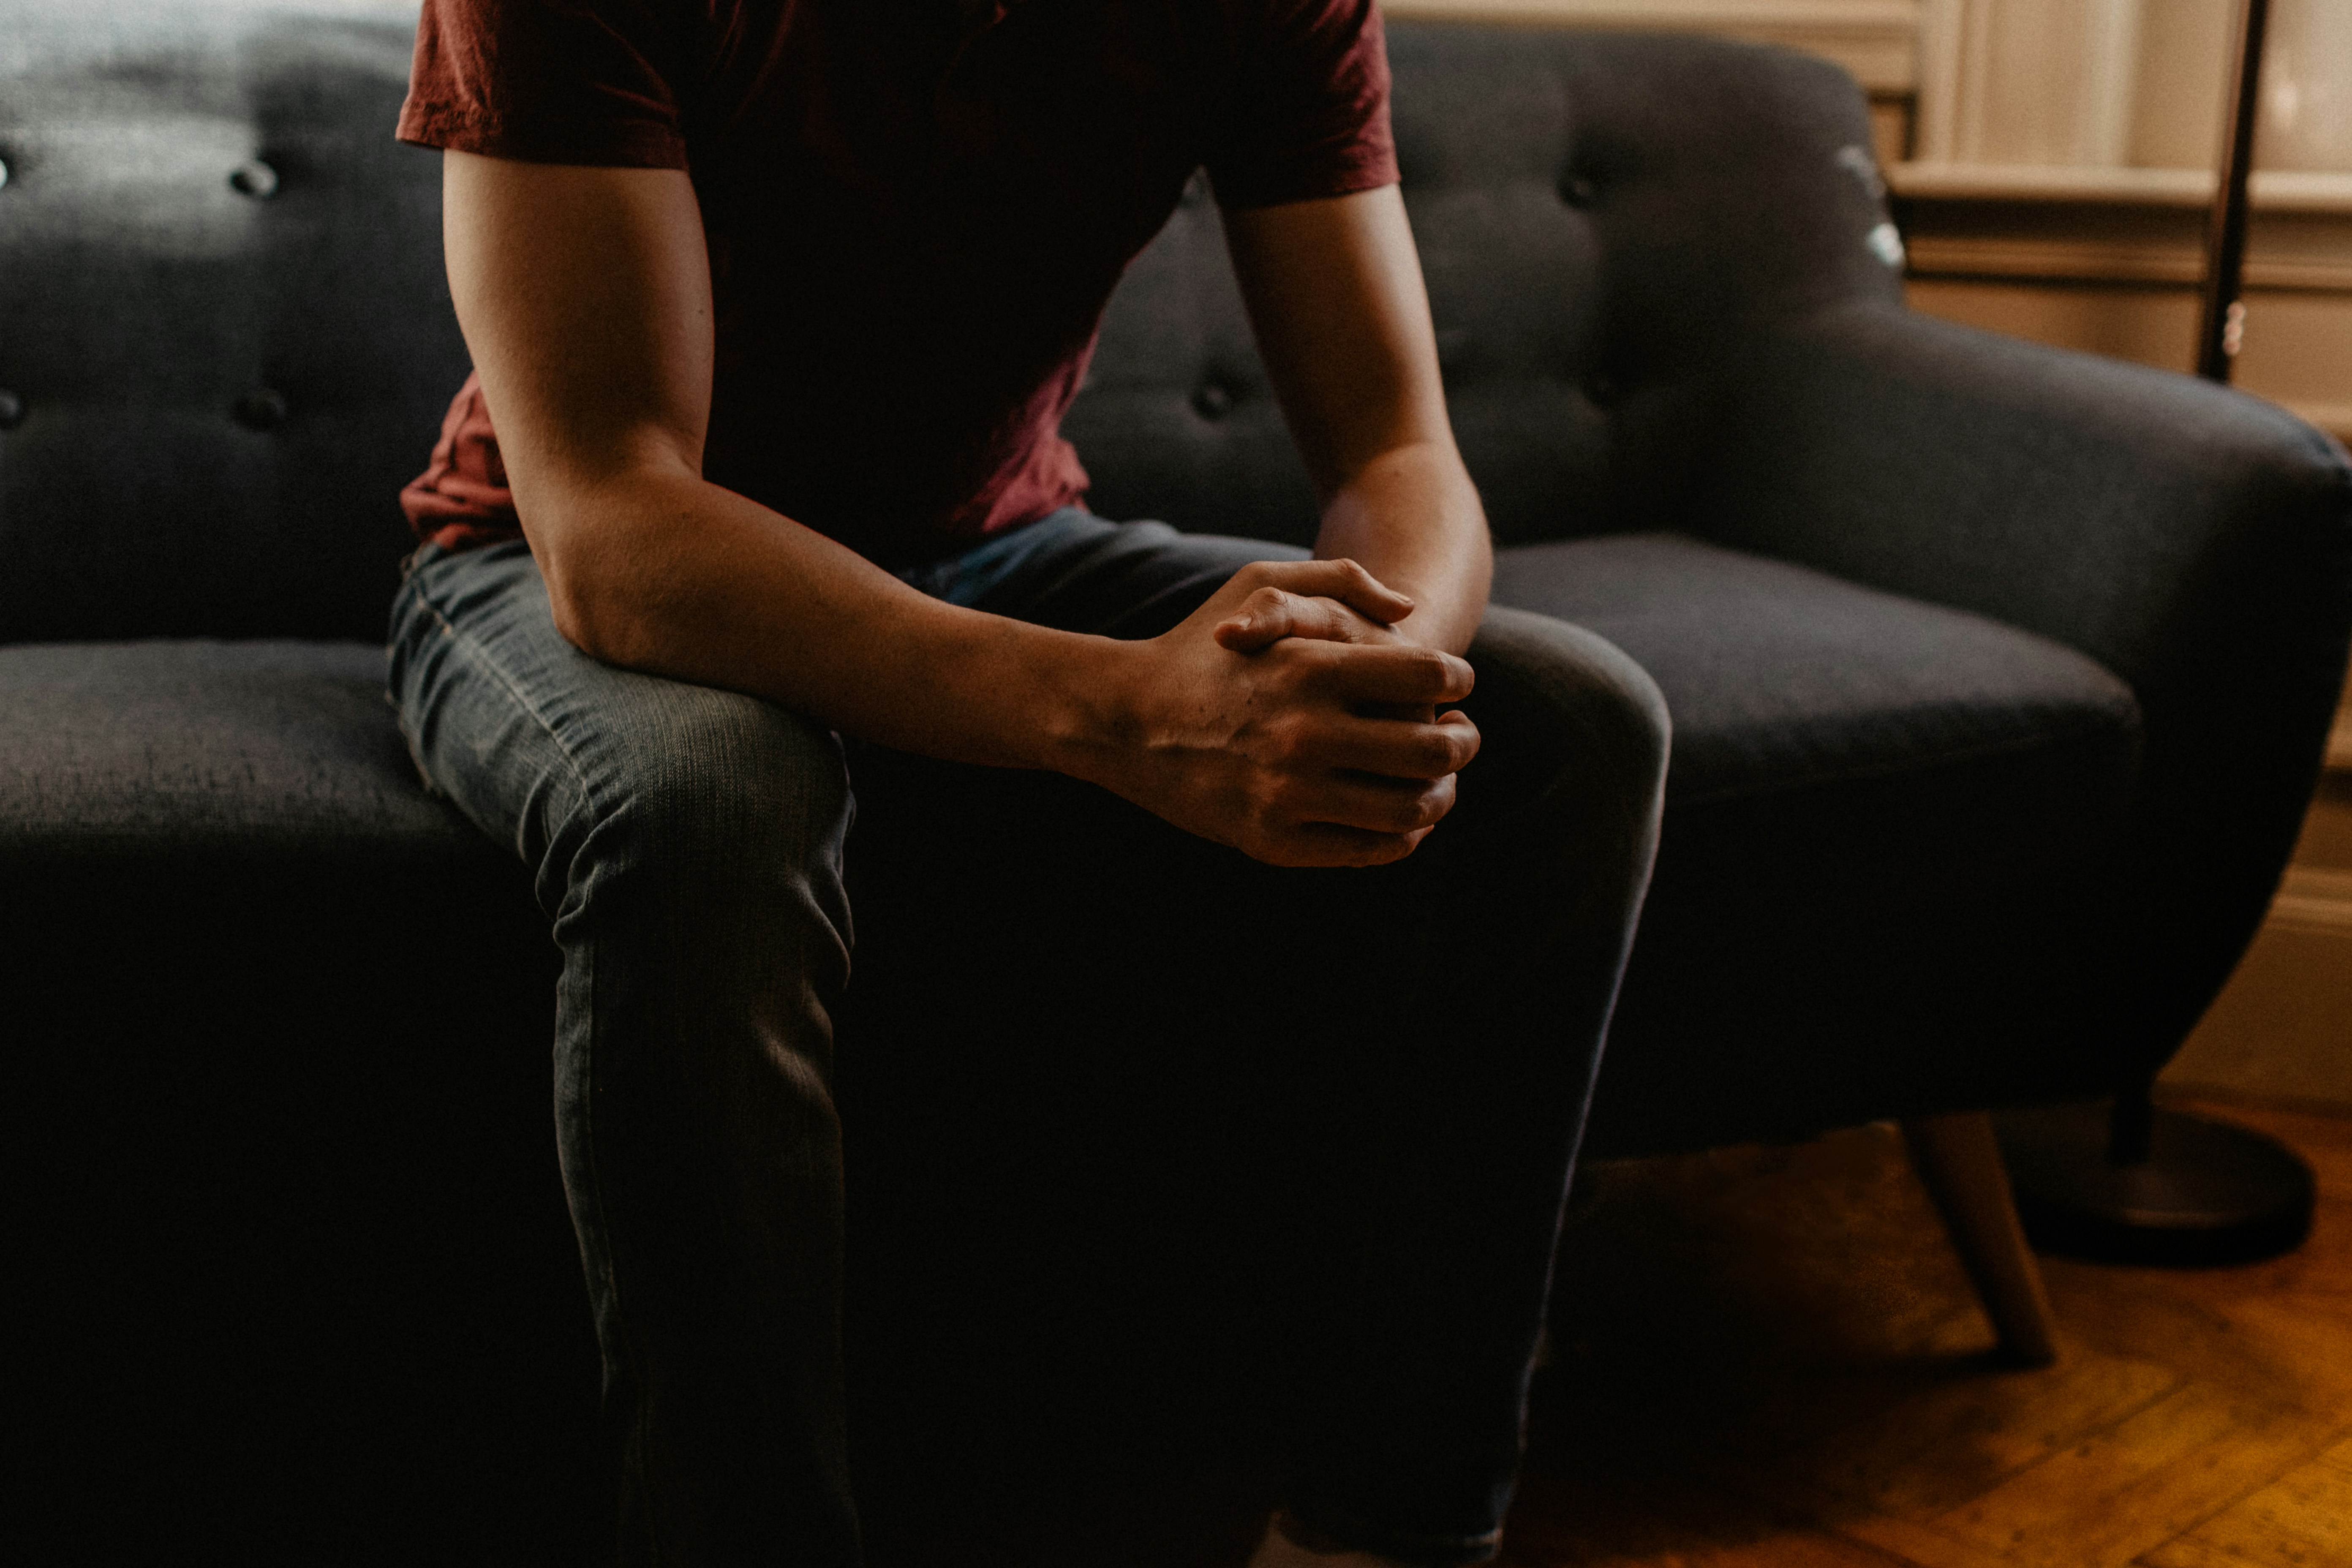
[1085, 717]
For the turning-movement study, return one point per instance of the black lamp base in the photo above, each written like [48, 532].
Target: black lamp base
[2204, 1192]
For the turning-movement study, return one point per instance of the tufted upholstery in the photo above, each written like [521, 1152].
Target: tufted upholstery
[1587, 315]
[220, 385]
[1999, 678]
[209, 183]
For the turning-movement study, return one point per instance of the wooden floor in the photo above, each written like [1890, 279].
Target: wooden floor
[1790, 1371]
[1770, 1358]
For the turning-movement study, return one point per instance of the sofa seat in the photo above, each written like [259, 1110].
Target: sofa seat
[291, 1081]
[1912, 797]
[1780, 678]
[236, 749]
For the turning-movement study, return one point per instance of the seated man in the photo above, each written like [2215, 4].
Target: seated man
[777, 308]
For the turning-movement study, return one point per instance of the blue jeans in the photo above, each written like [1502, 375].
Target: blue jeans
[688, 844]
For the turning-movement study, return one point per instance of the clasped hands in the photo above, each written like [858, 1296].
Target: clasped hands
[1289, 718]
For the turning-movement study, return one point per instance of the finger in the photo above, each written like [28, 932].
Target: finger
[1464, 727]
[1331, 844]
[1373, 804]
[1391, 748]
[1342, 579]
[1269, 615]
[1370, 673]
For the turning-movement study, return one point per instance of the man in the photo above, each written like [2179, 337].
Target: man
[777, 306]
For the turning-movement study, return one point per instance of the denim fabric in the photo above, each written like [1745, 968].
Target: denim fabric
[688, 844]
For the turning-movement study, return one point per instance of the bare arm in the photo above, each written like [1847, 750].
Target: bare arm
[585, 298]
[1336, 297]
[584, 295]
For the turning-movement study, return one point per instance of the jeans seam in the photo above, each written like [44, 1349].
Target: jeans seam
[471, 649]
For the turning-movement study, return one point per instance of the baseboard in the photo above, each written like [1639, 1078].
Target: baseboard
[2282, 1031]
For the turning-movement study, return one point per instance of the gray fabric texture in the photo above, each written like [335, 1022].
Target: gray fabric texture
[258, 750]
[1782, 678]
[1884, 819]
[1596, 250]
[222, 390]
[2193, 540]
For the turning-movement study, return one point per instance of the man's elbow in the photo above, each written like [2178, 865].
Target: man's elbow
[595, 604]
[578, 622]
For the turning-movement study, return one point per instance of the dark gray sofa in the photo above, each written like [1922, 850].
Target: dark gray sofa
[2000, 677]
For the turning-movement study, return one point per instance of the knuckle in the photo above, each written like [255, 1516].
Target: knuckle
[1293, 741]
[1292, 667]
[1278, 786]
[1308, 657]
[1267, 820]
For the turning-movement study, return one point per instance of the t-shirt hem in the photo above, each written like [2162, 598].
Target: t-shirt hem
[1275, 190]
[609, 146]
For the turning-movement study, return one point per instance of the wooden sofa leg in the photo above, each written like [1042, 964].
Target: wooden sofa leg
[1959, 1165]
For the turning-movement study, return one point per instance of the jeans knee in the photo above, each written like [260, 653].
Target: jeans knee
[1582, 702]
[712, 800]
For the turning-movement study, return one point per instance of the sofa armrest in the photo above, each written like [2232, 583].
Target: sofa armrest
[2196, 541]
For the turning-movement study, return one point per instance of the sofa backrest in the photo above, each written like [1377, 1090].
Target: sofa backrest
[225, 338]
[223, 317]
[1607, 222]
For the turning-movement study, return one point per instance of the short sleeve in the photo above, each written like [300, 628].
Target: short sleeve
[1307, 113]
[548, 81]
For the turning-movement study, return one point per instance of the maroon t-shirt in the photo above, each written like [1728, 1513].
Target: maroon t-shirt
[915, 209]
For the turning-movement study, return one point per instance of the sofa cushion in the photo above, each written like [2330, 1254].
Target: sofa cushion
[275, 1027]
[1885, 834]
[260, 748]
[1780, 678]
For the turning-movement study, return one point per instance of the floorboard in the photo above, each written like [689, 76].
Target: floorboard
[1769, 1358]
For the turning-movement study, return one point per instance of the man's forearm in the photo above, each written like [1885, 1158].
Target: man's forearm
[664, 573]
[1304, 752]
[1412, 518]
[586, 297]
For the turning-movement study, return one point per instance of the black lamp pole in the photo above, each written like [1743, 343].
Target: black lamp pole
[2128, 1181]
[2218, 329]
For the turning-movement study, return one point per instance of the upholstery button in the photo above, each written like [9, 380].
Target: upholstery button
[261, 409]
[1578, 191]
[253, 178]
[12, 410]
[1214, 400]
[1603, 390]
[3, 173]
